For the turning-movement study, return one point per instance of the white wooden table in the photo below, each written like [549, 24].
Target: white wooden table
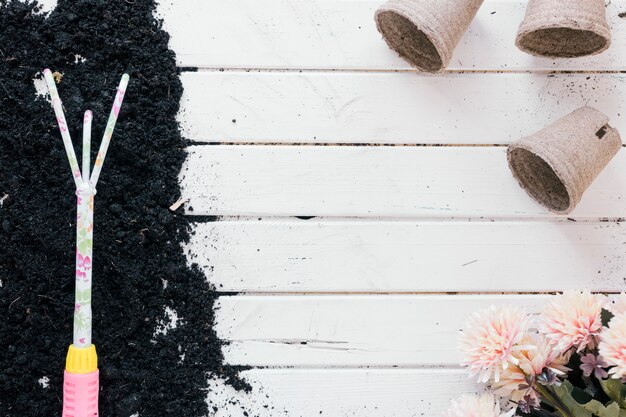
[417, 220]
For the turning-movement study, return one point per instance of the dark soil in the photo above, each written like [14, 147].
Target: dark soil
[136, 239]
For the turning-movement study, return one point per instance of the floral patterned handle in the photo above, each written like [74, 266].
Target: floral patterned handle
[84, 257]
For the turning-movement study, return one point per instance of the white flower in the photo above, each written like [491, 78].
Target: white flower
[491, 338]
[573, 319]
[612, 346]
[516, 381]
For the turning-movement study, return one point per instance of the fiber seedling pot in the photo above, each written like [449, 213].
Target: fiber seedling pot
[425, 32]
[564, 28]
[557, 164]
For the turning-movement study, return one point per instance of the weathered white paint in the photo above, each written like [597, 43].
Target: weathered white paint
[374, 107]
[341, 34]
[348, 255]
[341, 392]
[374, 181]
[432, 219]
[351, 330]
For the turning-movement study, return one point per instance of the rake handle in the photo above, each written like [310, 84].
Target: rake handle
[80, 394]
[81, 382]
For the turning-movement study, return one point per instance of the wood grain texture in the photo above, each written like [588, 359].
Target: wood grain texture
[341, 392]
[405, 108]
[351, 330]
[341, 34]
[348, 255]
[374, 182]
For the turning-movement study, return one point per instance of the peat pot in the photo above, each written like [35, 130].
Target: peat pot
[557, 164]
[564, 28]
[425, 32]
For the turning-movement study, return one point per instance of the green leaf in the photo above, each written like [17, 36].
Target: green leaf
[591, 408]
[83, 297]
[84, 245]
[615, 390]
[596, 407]
[80, 321]
[574, 408]
[606, 317]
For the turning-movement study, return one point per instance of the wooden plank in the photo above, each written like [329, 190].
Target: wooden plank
[374, 182]
[330, 107]
[351, 330]
[341, 392]
[326, 255]
[341, 34]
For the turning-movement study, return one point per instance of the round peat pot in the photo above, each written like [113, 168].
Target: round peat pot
[425, 32]
[564, 28]
[557, 164]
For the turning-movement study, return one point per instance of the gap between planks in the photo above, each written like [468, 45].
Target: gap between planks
[372, 144]
[201, 219]
[245, 293]
[209, 69]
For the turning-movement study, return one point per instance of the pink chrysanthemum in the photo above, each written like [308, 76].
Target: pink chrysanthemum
[491, 338]
[514, 381]
[617, 304]
[485, 405]
[573, 319]
[613, 346]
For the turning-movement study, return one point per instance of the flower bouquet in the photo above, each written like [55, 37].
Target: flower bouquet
[569, 361]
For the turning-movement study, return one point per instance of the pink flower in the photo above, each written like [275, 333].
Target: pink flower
[516, 381]
[592, 364]
[490, 339]
[573, 319]
[76, 307]
[80, 274]
[613, 346]
[485, 405]
[83, 262]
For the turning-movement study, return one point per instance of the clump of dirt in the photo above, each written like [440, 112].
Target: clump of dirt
[139, 266]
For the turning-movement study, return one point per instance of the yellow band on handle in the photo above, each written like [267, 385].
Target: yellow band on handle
[81, 360]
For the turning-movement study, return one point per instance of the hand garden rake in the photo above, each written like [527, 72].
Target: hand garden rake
[81, 380]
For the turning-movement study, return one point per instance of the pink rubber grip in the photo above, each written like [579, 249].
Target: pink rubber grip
[80, 394]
